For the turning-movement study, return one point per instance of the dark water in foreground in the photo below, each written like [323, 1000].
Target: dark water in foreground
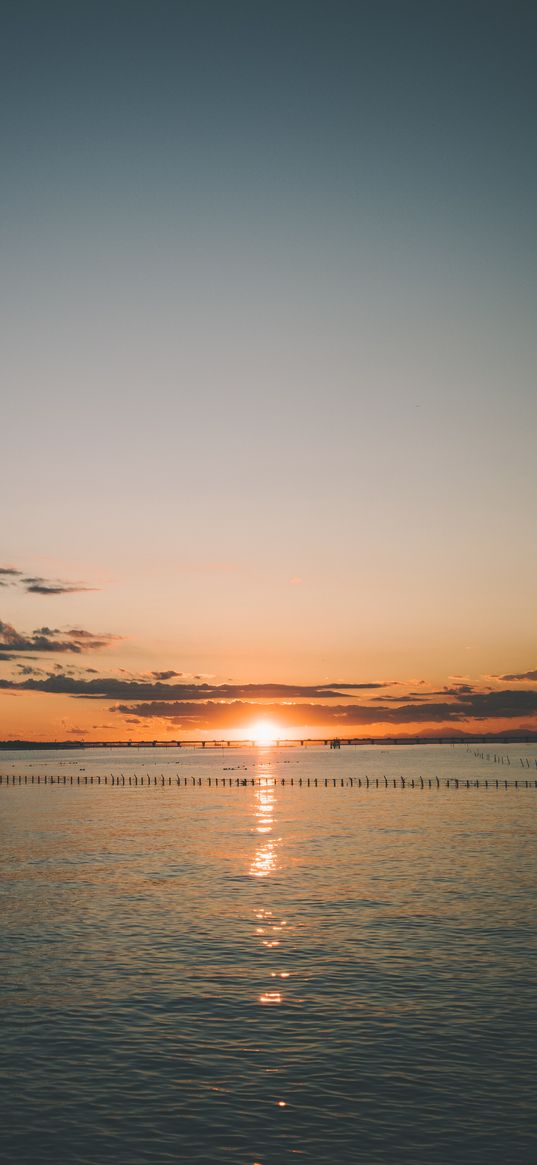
[262, 975]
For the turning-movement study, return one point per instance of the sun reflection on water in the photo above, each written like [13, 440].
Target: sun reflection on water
[270, 997]
[269, 928]
[264, 859]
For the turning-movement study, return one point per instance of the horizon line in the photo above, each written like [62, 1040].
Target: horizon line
[516, 737]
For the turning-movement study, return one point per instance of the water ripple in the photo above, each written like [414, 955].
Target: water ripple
[267, 976]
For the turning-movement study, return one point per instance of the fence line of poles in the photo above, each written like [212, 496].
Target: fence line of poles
[120, 780]
[500, 758]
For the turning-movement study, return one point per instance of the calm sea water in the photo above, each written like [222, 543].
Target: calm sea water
[269, 975]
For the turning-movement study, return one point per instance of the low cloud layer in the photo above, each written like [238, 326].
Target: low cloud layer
[230, 706]
[109, 687]
[172, 700]
[50, 640]
[477, 707]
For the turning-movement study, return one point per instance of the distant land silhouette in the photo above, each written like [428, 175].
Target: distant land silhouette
[510, 737]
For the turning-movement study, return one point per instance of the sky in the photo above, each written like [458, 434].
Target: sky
[269, 414]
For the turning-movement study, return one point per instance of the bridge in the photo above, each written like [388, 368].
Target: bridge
[250, 742]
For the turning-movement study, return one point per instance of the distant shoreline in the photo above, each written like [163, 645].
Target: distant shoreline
[304, 742]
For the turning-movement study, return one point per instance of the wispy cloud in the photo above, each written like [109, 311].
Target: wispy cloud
[166, 675]
[37, 585]
[8, 575]
[48, 640]
[110, 687]
[43, 586]
[517, 677]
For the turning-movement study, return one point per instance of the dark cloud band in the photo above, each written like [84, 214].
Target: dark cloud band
[207, 714]
[49, 640]
[118, 689]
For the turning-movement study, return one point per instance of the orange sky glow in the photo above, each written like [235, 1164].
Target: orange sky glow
[71, 683]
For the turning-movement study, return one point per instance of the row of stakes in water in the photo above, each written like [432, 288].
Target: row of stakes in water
[503, 759]
[264, 782]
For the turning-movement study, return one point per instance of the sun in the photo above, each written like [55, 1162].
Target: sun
[264, 732]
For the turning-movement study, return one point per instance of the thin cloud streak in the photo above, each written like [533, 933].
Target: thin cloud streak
[113, 688]
[40, 586]
[50, 640]
[37, 585]
[518, 677]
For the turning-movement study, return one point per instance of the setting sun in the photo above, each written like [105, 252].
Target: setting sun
[264, 732]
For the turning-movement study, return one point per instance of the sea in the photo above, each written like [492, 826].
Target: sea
[266, 971]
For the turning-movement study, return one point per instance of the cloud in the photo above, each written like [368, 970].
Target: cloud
[49, 640]
[517, 677]
[110, 687]
[36, 585]
[42, 586]
[421, 697]
[165, 675]
[207, 705]
[199, 703]
[82, 636]
[237, 714]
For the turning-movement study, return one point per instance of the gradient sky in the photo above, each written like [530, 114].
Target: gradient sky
[268, 300]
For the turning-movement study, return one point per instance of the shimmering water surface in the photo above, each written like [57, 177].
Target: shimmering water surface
[269, 974]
